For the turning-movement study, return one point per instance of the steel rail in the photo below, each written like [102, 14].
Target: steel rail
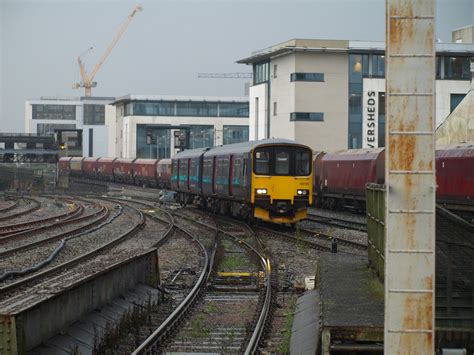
[102, 215]
[134, 229]
[340, 219]
[10, 207]
[184, 306]
[36, 205]
[11, 228]
[256, 337]
[342, 241]
[337, 222]
[310, 244]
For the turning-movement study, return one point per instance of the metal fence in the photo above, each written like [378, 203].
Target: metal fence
[454, 285]
[375, 195]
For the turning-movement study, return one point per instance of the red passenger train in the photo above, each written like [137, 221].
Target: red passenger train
[340, 178]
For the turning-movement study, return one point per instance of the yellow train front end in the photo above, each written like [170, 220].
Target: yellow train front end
[281, 182]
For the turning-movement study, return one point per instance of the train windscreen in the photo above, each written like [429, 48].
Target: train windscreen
[282, 161]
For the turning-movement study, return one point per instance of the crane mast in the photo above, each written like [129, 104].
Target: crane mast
[87, 79]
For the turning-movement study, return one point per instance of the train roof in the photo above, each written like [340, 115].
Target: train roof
[455, 150]
[246, 147]
[190, 153]
[145, 161]
[354, 154]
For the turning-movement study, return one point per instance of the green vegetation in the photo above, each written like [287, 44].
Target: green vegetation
[375, 288]
[284, 346]
[210, 308]
[232, 262]
[198, 328]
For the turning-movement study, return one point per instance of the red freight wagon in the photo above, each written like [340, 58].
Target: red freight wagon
[64, 165]
[104, 168]
[455, 174]
[163, 173]
[317, 157]
[123, 170]
[89, 167]
[345, 174]
[144, 172]
[75, 165]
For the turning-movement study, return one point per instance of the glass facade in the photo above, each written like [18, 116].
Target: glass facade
[307, 116]
[261, 72]
[455, 100]
[160, 143]
[235, 134]
[187, 108]
[161, 108]
[457, 68]
[381, 119]
[48, 128]
[201, 137]
[54, 112]
[307, 77]
[94, 114]
[208, 109]
[234, 109]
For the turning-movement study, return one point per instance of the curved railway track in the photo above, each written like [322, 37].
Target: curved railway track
[18, 227]
[35, 205]
[22, 284]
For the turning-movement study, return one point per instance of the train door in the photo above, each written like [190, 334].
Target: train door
[189, 172]
[177, 173]
[231, 173]
[214, 174]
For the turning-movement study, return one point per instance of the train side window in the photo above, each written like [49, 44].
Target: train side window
[262, 162]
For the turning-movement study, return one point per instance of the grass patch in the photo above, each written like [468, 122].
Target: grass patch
[375, 288]
[210, 308]
[198, 328]
[284, 346]
[232, 262]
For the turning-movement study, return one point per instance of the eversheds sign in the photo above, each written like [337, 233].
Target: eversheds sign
[370, 118]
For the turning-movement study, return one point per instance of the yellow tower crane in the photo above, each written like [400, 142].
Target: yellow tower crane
[87, 79]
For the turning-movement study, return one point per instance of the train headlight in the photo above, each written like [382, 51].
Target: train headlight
[302, 192]
[261, 191]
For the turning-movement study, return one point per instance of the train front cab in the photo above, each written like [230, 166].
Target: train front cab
[281, 182]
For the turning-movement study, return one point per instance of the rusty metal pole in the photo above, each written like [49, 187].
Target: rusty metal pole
[410, 177]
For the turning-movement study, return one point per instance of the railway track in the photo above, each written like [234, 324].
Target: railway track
[92, 219]
[33, 206]
[337, 222]
[12, 205]
[22, 285]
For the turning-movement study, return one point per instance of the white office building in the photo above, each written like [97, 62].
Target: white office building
[80, 123]
[330, 94]
[145, 126]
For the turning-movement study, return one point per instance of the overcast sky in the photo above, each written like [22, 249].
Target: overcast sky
[169, 42]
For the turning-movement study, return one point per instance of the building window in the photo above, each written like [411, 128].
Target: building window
[381, 126]
[358, 68]
[456, 100]
[54, 112]
[378, 65]
[274, 109]
[201, 137]
[307, 116]
[275, 67]
[161, 108]
[235, 134]
[49, 128]
[261, 72]
[234, 109]
[457, 68]
[159, 144]
[208, 109]
[307, 77]
[94, 114]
